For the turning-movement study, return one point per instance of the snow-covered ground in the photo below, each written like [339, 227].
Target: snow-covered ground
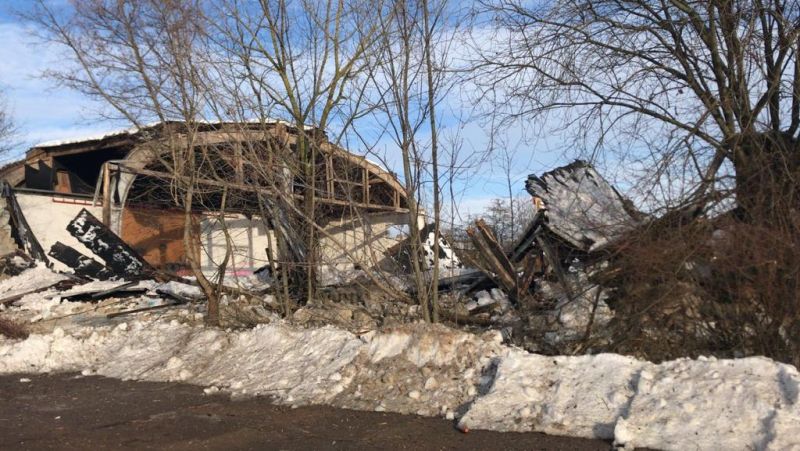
[705, 403]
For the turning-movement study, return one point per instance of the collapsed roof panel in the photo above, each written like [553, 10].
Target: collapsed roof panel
[582, 208]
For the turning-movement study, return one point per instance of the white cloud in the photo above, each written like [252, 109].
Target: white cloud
[41, 110]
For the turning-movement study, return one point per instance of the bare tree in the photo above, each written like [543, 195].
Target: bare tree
[432, 86]
[711, 85]
[300, 60]
[7, 127]
[244, 62]
[408, 75]
[141, 59]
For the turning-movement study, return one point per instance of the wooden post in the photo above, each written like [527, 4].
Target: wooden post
[494, 247]
[106, 195]
[329, 174]
[365, 178]
[494, 268]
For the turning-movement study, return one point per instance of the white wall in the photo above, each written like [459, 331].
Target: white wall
[365, 239]
[249, 239]
[48, 216]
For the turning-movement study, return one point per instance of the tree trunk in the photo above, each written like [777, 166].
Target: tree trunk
[767, 169]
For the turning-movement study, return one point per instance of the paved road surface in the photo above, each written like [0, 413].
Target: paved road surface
[66, 411]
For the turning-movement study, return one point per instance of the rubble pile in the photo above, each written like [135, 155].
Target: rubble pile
[540, 292]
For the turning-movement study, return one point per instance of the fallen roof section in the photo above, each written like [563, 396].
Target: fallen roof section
[582, 208]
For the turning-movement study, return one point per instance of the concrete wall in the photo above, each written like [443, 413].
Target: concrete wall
[345, 246]
[7, 243]
[249, 243]
[349, 244]
[159, 236]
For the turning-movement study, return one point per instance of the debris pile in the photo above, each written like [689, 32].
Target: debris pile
[541, 290]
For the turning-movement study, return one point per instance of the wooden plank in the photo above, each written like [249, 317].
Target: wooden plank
[250, 188]
[119, 257]
[96, 296]
[533, 264]
[554, 262]
[365, 178]
[82, 265]
[123, 287]
[329, 175]
[494, 247]
[143, 309]
[106, 195]
[494, 269]
[62, 284]
[19, 296]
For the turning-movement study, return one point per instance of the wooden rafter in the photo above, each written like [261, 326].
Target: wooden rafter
[250, 188]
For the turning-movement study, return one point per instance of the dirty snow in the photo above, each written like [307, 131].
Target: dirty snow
[429, 370]
[703, 403]
[183, 290]
[38, 277]
[709, 403]
[582, 396]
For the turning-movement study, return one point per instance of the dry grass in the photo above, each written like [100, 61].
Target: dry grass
[12, 329]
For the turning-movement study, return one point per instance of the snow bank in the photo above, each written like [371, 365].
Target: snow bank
[708, 403]
[582, 396]
[433, 370]
[421, 369]
[293, 365]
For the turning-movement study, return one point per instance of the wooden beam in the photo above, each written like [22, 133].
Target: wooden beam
[119, 257]
[82, 265]
[494, 246]
[106, 195]
[329, 175]
[495, 269]
[365, 179]
[20, 228]
[250, 188]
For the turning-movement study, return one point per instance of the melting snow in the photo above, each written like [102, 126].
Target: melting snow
[432, 370]
[29, 280]
[704, 403]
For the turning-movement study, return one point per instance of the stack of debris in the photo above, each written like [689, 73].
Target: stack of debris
[547, 273]
[121, 260]
[124, 272]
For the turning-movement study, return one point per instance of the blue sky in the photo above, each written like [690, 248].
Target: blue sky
[41, 110]
[44, 111]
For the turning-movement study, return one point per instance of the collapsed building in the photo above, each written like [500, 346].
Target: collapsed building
[244, 178]
[547, 273]
[116, 206]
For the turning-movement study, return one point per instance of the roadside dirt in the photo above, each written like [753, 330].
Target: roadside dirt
[67, 411]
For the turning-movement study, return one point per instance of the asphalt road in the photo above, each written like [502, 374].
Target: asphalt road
[67, 411]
